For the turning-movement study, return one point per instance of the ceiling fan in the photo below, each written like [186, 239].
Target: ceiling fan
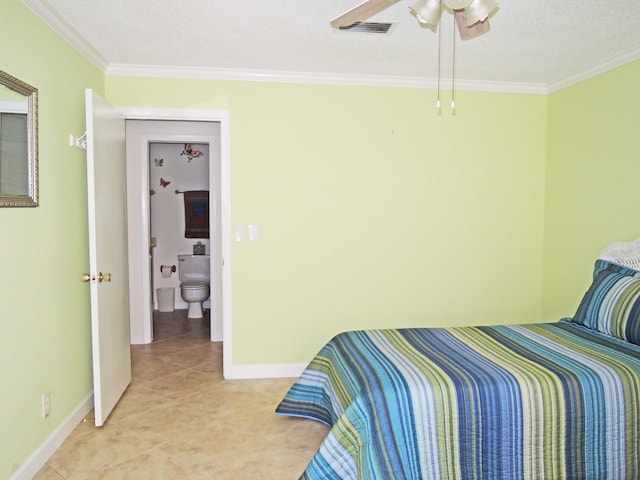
[472, 16]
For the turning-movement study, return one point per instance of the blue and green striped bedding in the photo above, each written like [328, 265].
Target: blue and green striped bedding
[541, 401]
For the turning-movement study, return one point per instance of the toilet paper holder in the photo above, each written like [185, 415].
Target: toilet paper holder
[173, 268]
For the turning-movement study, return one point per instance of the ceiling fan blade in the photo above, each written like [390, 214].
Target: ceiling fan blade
[361, 12]
[470, 31]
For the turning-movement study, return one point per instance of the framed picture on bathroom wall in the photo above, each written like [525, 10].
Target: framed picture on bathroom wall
[196, 214]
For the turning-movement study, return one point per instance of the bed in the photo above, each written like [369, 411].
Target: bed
[532, 401]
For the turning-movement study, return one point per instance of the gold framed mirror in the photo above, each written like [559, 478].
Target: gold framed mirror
[18, 143]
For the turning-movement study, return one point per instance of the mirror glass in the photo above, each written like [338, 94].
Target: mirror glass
[18, 143]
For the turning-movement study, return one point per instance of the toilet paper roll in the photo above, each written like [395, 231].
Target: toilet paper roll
[166, 270]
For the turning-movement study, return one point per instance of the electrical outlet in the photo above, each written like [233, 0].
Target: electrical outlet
[46, 404]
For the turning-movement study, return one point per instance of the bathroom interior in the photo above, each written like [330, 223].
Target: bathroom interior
[179, 227]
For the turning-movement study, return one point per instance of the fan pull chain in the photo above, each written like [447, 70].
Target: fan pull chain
[439, 53]
[453, 69]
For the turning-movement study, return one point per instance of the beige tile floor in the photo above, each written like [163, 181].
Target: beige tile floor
[179, 419]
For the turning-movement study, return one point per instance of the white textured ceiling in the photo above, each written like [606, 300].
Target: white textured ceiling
[534, 43]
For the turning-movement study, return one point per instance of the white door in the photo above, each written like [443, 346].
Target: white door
[108, 277]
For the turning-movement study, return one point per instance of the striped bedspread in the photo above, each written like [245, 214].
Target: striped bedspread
[543, 401]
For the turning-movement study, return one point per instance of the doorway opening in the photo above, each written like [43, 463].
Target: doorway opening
[182, 238]
[177, 128]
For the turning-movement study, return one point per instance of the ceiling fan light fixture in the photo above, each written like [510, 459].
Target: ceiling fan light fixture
[479, 10]
[426, 11]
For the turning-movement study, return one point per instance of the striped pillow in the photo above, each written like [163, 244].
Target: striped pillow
[612, 303]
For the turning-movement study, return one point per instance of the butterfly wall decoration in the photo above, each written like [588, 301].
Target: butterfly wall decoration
[159, 162]
[190, 152]
[164, 183]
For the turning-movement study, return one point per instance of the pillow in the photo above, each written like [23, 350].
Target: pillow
[612, 303]
[602, 265]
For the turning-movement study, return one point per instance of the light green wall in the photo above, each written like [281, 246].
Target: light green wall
[44, 308]
[592, 181]
[373, 210]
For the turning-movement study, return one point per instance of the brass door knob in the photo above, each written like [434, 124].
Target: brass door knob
[106, 277]
[86, 277]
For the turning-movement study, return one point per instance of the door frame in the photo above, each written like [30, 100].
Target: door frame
[140, 135]
[222, 117]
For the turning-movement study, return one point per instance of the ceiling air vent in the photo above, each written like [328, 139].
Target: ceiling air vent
[368, 27]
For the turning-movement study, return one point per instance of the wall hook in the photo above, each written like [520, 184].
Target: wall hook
[78, 142]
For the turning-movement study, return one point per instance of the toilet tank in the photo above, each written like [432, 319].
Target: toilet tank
[193, 267]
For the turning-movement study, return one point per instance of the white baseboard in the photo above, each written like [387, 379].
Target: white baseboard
[39, 457]
[278, 370]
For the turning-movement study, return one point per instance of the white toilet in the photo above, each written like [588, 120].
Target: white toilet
[193, 271]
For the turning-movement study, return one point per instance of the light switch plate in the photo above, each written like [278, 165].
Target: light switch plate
[254, 233]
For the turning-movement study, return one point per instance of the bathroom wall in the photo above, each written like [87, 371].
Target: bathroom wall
[173, 166]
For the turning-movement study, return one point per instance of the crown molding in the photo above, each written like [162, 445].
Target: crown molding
[161, 71]
[607, 65]
[43, 10]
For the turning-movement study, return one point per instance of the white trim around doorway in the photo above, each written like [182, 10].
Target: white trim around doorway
[221, 116]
